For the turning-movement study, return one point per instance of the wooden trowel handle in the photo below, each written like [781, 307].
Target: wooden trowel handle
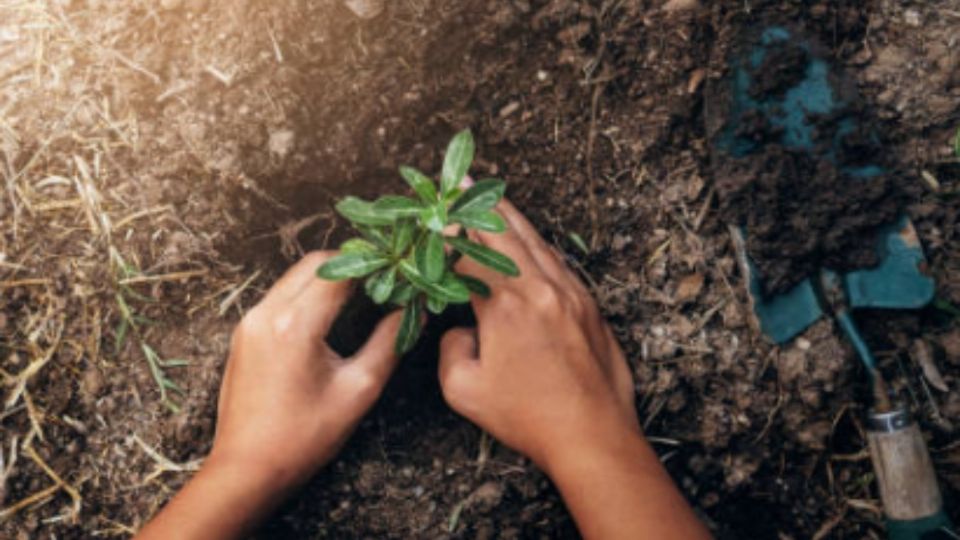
[908, 484]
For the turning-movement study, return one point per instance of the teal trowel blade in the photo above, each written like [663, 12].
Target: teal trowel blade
[785, 315]
[899, 281]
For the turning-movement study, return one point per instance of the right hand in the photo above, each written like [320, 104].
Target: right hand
[542, 372]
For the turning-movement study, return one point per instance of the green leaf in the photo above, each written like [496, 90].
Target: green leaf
[362, 212]
[380, 285]
[449, 288]
[402, 294]
[397, 206]
[410, 328]
[956, 143]
[579, 242]
[482, 221]
[420, 183]
[435, 305]
[485, 256]
[434, 217]
[483, 195]
[351, 265]
[476, 286]
[402, 237]
[358, 245]
[378, 236]
[457, 161]
[430, 257]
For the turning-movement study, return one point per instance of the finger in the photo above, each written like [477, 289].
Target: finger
[317, 305]
[459, 366]
[297, 277]
[377, 359]
[545, 255]
[511, 245]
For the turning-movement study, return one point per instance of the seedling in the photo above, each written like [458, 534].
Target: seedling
[401, 251]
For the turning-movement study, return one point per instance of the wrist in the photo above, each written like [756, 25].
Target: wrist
[242, 476]
[597, 448]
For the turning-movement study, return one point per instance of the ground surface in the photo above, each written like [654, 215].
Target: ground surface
[164, 161]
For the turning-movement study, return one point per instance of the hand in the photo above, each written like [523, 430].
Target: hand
[287, 405]
[542, 372]
[288, 402]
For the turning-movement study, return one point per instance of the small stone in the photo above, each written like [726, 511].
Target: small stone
[620, 241]
[542, 75]
[679, 6]
[170, 5]
[93, 382]
[486, 497]
[281, 143]
[365, 9]
[912, 18]
[689, 288]
[509, 109]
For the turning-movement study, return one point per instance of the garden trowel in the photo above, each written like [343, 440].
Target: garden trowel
[908, 485]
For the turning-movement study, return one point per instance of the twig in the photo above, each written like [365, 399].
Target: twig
[228, 302]
[163, 463]
[173, 276]
[591, 177]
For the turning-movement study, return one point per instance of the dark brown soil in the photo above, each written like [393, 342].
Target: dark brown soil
[218, 137]
[799, 209]
[801, 214]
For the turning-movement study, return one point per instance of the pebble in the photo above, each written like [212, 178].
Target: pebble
[509, 109]
[679, 6]
[912, 18]
[487, 496]
[365, 9]
[281, 143]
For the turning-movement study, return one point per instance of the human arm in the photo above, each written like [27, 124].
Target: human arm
[560, 392]
[287, 405]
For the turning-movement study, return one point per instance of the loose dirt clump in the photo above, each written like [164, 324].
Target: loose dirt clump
[802, 209]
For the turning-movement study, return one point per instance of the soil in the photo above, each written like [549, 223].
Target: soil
[203, 145]
[801, 208]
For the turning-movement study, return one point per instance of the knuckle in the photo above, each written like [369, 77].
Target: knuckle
[545, 296]
[508, 298]
[453, 390]
[286, 326]
[365, 385]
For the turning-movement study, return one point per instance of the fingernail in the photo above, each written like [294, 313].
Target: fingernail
[466, 182]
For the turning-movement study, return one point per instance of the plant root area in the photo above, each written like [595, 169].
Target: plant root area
[163, 162]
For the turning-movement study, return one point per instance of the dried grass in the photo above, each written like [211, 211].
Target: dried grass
[65, 148]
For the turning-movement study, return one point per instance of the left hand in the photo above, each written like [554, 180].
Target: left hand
[288, 402]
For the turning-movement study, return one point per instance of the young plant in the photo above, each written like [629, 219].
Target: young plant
[401, 251]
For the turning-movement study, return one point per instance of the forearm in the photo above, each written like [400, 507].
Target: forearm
[619, 489]
[221, 502]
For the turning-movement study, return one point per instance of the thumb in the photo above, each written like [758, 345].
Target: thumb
[377, 359]
[458, 366]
